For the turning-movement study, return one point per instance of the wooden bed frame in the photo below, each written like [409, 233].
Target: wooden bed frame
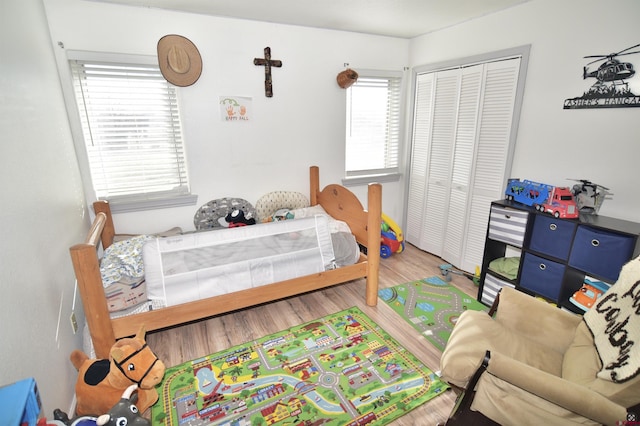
[337, 200]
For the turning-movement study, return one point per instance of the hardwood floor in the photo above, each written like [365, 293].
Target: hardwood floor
[180, 344]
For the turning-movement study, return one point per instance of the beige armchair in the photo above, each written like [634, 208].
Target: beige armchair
[534, 364]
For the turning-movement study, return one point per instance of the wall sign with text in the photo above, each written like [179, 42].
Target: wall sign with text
[614, 83]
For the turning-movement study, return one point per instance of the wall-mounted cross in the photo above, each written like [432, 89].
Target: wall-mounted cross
[267, 62]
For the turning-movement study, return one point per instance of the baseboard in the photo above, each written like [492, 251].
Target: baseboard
[72, 406]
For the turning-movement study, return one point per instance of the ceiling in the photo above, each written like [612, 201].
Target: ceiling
[395, 18]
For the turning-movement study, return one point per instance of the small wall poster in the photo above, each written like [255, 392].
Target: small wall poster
[235, 108]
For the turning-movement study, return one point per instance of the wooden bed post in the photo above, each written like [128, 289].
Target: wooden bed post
[314, 183]
[374, 207]
[87, 269]
[109, 231]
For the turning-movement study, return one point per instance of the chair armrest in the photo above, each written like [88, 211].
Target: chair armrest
[566, 394]
[536, 319]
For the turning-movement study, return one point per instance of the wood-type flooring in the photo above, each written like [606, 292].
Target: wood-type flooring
[180, 344]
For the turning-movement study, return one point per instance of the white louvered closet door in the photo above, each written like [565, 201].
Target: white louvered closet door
[462, 163]
[419, 157]
[432, 152]
[460, 157]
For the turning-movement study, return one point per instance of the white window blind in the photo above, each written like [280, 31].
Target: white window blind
[132, 133]
[373, 126]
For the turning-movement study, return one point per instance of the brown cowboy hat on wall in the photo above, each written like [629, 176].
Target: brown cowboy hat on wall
[179, 60]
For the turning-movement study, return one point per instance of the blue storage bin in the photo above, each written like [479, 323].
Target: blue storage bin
[600, 253]
[541, 276]
[20, 403]
[552, 236]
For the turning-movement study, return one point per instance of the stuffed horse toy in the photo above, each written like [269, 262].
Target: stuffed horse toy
[102, 382]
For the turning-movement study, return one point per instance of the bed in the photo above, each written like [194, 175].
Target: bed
[338, 202]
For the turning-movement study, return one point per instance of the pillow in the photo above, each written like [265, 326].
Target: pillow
[208, 216]
[271, 202]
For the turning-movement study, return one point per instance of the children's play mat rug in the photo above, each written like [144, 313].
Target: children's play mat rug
[431, 305]
[342, 369]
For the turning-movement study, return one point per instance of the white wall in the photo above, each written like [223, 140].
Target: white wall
[42, 210]
[555, 145]
[302, 125]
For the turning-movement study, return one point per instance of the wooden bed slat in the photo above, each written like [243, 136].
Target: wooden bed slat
[337, 200]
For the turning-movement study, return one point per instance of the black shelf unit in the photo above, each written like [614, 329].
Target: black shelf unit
[555, 253]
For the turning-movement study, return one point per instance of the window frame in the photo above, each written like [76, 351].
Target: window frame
[386, 174]
[121, 203]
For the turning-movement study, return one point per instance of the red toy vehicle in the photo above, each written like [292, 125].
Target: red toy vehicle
[389, 244]
[560, 203]
[391, 239]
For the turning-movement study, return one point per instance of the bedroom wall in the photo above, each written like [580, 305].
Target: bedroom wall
[302, 125]
[42, 211]
[553, 144]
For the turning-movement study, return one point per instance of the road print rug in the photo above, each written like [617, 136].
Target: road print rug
[431, 305]
[342, 369]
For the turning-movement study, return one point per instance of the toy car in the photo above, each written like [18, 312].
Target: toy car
[588, 294]
[391, 239]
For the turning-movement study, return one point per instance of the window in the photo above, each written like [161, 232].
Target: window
[373, 126]
[132, 134]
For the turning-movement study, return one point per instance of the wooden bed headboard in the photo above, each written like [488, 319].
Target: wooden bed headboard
[342, 204]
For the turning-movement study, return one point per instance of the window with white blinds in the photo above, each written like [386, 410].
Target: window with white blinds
[373, 125]
[132, 133]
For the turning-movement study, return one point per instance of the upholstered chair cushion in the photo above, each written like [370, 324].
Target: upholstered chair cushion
[581, 363]
[518, 331]
[478, 333]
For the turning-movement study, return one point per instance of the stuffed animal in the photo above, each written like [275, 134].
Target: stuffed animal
[101, 382]
[124, 412]
[236, 218]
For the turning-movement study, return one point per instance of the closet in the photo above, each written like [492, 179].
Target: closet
[463, 136]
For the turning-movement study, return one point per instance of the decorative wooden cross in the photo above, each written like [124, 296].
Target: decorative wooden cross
[267, 62]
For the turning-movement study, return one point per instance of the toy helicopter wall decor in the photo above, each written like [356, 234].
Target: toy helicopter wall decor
[611, 88]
